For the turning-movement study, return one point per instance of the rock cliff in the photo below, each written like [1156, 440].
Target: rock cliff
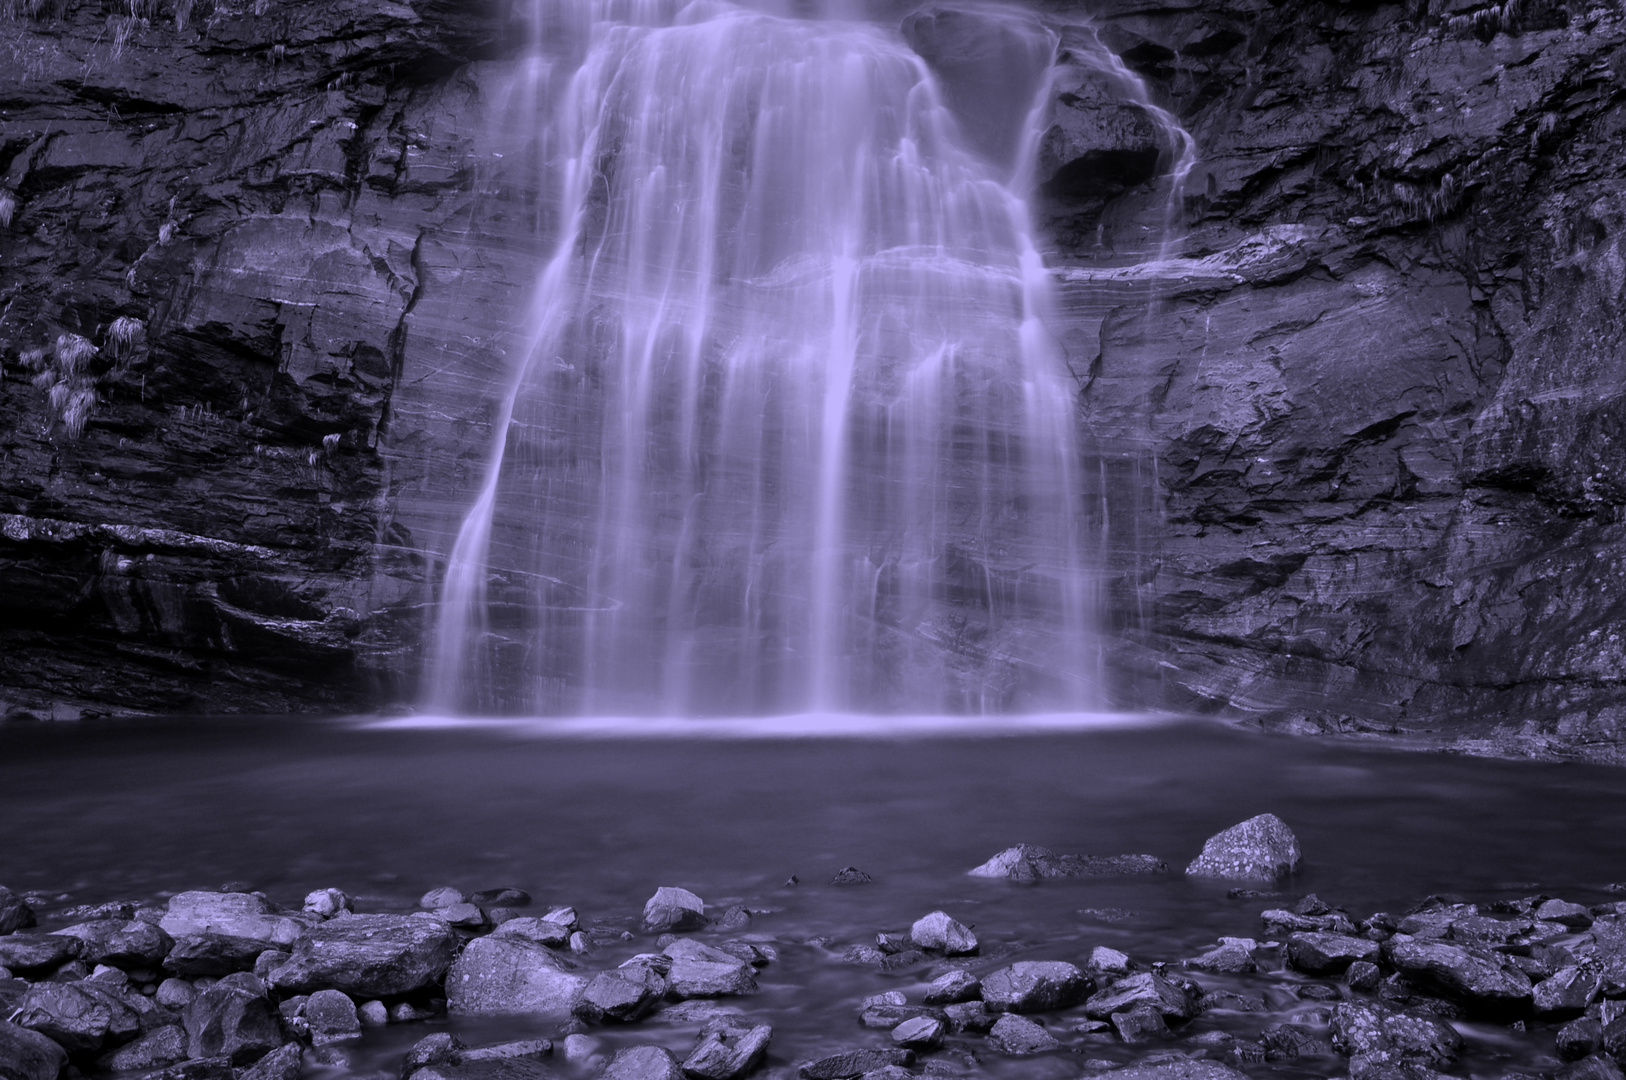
[1358, 428]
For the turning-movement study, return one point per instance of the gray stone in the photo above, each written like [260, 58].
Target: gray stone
[1170, 1001]
[643, 1063]
[502, 897]
[1366, 1028]
[1566, 993]
[156, 1049]
[369, 956]
[853, 1063]
[674, 909]
[1363, 975]
[1035, 986]
[541, 931]
[326, 903]
[1287, 922]
[972, 1016]
[213, 954]
[331, 1016]
[1019, 1036]
[512, 975]
[728, 1048]
[441, 1048]
[37, 952]
[238, 915]
[1262, 848]
[1231, 958]
[1328, 954]
[1140, 1024]
[443, 897]
[951, 988]
[230, 1022]
[123, 943]
[1580, 1037]
[1571, 915]
[701, 971]
[506, 1051]
[175, 993]
[283, 1063]
[920, 1033]
[1107, 961]
[888, 1016]
[1483, 980]
[1029, 863]
[78, 1015]
[734, 918]
[28, 1055]
[468, 916]
[15, 914]
[628, 993]
[938, 932]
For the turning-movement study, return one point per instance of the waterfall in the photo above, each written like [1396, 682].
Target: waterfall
[790, 433]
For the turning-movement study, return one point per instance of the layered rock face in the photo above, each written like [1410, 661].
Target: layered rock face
[1356, 427]
[1365, 413]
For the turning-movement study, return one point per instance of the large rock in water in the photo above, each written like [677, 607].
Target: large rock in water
[1262, 848]
[235, 915]
[80, 1015]
[231, 1021]
[368, 956]
[124, 943]
[1143, 989]
[941, 933]
[698, 970]
[30, 952]
[512, 975]
[1484, 980]
[1371, 1030]
[674, 909]
[1035, 986]
[728, 1048]
[1028, 862]
[28, 1055]
[14, 913]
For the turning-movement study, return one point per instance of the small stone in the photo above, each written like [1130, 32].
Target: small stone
[851, 875]
[1228, 959]
[1028, 863]
[565, 917]
[888, 997]
[920, 1033]
[626, 994]
[580, 943]
[503, 897]
[1171, 1001]
[728, 1048]
[853, 1063]
[972, 1016]
[1140, 1024]
[1019, 1036]
[326, 903]
[1262, 848]
[745, 951]
[372, 1014]
[890, 943]
[440, 1048]
[518, 1050]
[888, 1017]
[15, 914]
[940, 933]
[156, 1049]
[951, 988]
[331, 1016]
[1107, 961]
[405, 1012]
[1035, 986]
[443, 897]
[674, 909]
[1328, 954]
[643, 1063]
[579, 1048]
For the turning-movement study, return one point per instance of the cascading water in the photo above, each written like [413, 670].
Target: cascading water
[790, 434]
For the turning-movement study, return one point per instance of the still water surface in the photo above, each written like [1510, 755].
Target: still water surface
[600, 817]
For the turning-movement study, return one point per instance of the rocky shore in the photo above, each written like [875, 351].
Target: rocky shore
[228, 985]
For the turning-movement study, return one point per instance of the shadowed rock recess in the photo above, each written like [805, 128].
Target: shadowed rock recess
[1357, 428]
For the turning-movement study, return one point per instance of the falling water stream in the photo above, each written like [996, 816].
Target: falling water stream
[790, 432]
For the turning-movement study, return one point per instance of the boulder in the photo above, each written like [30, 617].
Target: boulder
[213, 954]
[853, 1063]
[15, 914]
[78, 1015]
[1262, 848]
[1565, 913]
[1482, 980]
[643, 1063]
[512, 975]
[441, 1048]
[701, 971]
[940, 933]
[628, 993]
[1230, 957]
[229, 1021]
[541, 931]
[951, 988]
[1028, 863]
[1035, 986]
[1287, 922]
[1580, 1037]
[29, 1055]
[728, 1048]
[1019, 1036]
[331, 1016]
[920, 1033]
[973, 1016]
[674, 909]
[1370, 1029]
[240, 915]
[156, 1049]
[1140, 1024]
[283, 1063]
[326, 903]
[1565, 993]
[1328, 954]
[37, 952]
[443, 897]
[124, 943]
[368, 956]
[1170, 1001]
